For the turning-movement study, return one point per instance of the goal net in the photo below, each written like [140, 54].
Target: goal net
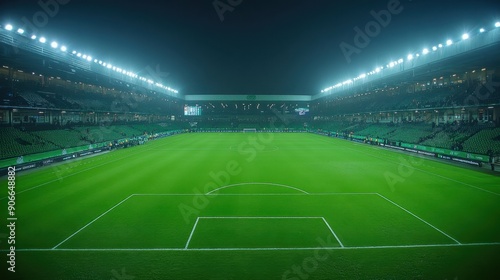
[249, 130]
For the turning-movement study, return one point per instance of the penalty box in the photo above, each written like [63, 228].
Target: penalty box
[145, 221]
[261, 232]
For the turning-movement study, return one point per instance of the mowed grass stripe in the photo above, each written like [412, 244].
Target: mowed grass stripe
[454, 208]
[157, 222]
[52, 213]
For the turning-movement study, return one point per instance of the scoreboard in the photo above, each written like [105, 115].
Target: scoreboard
[192, 110]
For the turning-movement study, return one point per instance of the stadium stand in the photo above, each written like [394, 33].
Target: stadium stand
[48, 112]
[484, 142]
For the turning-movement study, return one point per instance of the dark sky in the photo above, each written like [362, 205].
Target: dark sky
[261, 47]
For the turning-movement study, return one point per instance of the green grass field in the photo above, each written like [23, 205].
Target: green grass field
[254, 206]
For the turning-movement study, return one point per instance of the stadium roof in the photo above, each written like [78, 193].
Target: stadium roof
[260, 48]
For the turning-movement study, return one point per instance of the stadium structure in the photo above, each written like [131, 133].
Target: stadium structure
[442, 101]
[438, 105]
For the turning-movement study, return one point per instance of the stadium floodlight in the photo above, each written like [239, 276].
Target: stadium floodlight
[391, 64]
[64, 49]
[54, 45]
[497, 24]
[410, 57]
[20, 31]
[9, 27]
[79, 54]
[95, 60]
[434, 48]
[481, 30]
[378, 69]
[73, 52]
[449, 42]
[42, 40]
[440, 45]
[89, 58]
[465, 36]
[84, 56]
[400, 60]
[104, 64]
[109, 66]
[33, 37]
[100, 62]
[425, 51]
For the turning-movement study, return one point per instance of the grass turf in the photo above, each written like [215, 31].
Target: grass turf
[132, 212]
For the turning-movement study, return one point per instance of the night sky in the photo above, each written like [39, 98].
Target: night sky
[261, 47]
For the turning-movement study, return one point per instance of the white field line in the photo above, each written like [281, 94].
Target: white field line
[76, 173]
[427, 223]
[257, 183]
[260, 218]
[191, 235]
[278, 218]
[91, 222]
[413, 167]
[263, 249]
[251, 194]
[432, 173]
[331, 230]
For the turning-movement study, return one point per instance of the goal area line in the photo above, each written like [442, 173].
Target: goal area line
[261, 218]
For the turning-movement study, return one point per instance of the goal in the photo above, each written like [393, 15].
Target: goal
[248, 130]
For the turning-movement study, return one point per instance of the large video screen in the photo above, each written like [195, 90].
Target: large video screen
[302, 111]
[192, 110]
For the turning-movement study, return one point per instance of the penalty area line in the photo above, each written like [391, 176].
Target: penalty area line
[91, 222]
[422, 220]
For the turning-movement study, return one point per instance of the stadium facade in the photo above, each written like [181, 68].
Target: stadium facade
[445, 97]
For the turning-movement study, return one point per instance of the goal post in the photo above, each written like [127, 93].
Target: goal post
[249, 130]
